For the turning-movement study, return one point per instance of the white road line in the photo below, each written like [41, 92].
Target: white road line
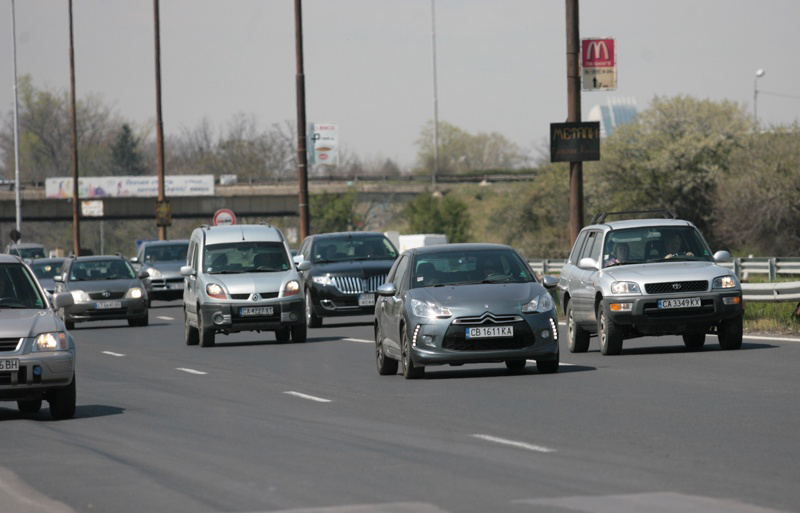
[359, 340]
[190, 371]
[165, 318]
[513, 443]
[113, 354]
[776, 339]
[309, 397]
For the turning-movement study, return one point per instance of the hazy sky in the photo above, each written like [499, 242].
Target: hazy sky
[501, 64]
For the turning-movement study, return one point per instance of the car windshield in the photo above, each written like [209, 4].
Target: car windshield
[245, 256]
[347, 248]
[28, 252]
[17, 288]
[166, 253]
[46, 270]
[654, 244]
[116, 269]
[469, 267]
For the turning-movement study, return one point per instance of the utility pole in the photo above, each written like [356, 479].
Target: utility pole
[162, 206]
[574, 116]
[76, 201]
[435, 97]
[17, 188]
[302, 153]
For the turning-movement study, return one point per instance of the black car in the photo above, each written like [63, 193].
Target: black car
[346, 270]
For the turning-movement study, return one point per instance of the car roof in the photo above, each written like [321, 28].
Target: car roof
[47, 260]
[242, 232]
[641, 223]
[458, 247]
[26, 245]
[98, 258]
[338, 235]
[164, 242]
[9, 259]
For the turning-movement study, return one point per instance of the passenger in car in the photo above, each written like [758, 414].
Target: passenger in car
[620, 254]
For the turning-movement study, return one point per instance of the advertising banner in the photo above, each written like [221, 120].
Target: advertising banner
[324, 143]
[130, 186]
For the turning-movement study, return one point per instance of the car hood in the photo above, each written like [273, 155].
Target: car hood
[361, 268]
[167, 267]
[247, 283]
[667, 271]
[102, 285]
[26, 323]
[496, 295]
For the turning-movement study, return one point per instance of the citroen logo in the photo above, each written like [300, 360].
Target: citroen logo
[106, 294]
[255, 297]
[676, 286]
[486, 307]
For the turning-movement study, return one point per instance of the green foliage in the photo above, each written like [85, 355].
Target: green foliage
[334, 212]
[429, 213]
[125, 156]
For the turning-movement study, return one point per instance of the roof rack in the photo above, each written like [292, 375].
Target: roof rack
[601, 218]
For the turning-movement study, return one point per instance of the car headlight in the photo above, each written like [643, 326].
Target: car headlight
[80, 296]
[724, 282]
[322, 280]
[153, 272]
[429, 310]
[625, 287]
[51, 342]
[541, 304]
[134, 293]
[292, 288]
[216, 291]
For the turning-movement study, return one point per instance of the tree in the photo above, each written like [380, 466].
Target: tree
[334, 212]
[125, 156]
[429, 213]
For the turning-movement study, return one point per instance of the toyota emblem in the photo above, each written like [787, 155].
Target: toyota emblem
[106, 294]
[676, 286]
[255, 297]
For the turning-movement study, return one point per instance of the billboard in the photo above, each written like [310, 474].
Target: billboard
[598, 64]
[324, 143]
[129, 186]
[574, 142]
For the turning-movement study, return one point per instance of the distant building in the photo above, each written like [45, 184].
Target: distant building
[616, 112]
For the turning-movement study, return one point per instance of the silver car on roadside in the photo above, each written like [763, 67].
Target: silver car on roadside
[37, 353]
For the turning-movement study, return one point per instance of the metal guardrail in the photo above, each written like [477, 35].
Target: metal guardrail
[756, 292]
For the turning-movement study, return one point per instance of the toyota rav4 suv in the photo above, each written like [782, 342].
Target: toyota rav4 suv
[646, 277]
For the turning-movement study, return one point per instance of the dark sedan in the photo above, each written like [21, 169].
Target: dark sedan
[346, 270]
[464, 303]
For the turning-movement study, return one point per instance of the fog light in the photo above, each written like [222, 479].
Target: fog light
[621, 307]
[292, 316]
[545, 333]
[37, 370]
[731, 300]
[218, 318]
[427, 340]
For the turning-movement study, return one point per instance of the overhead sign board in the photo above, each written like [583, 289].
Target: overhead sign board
[598, 64]
[92, 208]
[574, 142]
[129, 186]
[224, 217]
[324, 143]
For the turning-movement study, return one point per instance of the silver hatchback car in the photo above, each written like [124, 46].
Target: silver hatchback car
[37, 353]
[241, 278]
[639, 277]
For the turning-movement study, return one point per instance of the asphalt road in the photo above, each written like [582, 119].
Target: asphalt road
[252, 425]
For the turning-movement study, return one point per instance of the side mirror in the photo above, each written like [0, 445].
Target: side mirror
[58, 278]
[62, 299]
[588, 263]
[187, 270]
[549, 282]
[134, 260]
[144, 274]
[722, 256]
[305, 265]
[387, 289]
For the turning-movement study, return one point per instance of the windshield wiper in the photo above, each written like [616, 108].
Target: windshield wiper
[262, 270]
[226, 272]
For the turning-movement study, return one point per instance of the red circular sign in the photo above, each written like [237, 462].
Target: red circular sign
[224, 217]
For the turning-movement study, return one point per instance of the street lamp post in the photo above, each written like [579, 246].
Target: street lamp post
[759, 73]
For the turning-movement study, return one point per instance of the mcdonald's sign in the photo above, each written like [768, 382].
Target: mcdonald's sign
[598, 64]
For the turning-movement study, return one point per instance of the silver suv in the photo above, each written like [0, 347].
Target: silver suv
[241, 278]
[646, 277]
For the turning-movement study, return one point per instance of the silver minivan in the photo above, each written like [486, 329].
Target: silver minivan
[241, 278]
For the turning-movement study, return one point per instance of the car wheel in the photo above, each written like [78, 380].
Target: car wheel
[577, 337]
[730, 333]
[30, 405]
[312, 320]
[548, 366]
[190, 335]
[516, 366]
[410, 371]
[299, 334]
[283, 335]
[386, 366]
[206, 334]
[694, 340]
[62, 401]
[609, 334]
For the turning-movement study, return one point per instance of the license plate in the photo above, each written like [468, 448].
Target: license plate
[247, 311]
[175, 286]
[490, 332]
[684, 302]
[107, 305]
[9, 365]
[366, 300]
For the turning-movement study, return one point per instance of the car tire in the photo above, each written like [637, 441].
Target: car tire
[410, 371]
[694, 340]
[69, 325]
[312, 319]
[299, 334]
[516, 366]
[548, 366]
[577, 337]
[729, 333]
[62, 401]
[608, 333]
[190, 335]
[30, 405]
[386, 365]
[283, 335]
[206, 335]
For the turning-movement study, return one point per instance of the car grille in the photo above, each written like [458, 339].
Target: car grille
[9, 344]
[112, 295]
[264, 295]
[676, 287]
[356, 284]
[455, 339]
[488, 318]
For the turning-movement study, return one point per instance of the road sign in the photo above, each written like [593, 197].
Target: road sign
[575, 142]
[598, 64]
[224, 217]
[92, 208]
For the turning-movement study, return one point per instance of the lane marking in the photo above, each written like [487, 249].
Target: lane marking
[514, 443]
[165, 318]
[306, 396]
[113, 354]
[359, 340]
[190, 371]
[777, 339]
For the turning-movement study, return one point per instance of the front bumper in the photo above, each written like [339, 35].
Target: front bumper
[328, 301]
[226, 316]
[129, 309]
[164, 289]
[441, 342]
[37, 373]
